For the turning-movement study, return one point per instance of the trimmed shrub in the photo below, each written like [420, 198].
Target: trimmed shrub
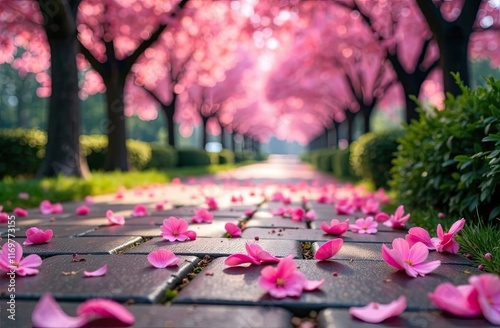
[341, 165]
[226, 156]
[214, 158]
[21, 151]
[162, 157]
[95, 149]
[448, 159]
[192, 157]
[372, 155]
[246, 155]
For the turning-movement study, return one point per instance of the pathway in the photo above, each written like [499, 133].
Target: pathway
[213, 294]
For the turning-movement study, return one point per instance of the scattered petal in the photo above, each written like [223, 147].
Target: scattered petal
[97, 273]
[376, 312]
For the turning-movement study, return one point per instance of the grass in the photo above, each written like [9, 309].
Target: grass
[64, 189]
[475, 239]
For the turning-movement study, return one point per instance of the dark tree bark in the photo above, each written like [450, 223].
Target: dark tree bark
[349, 123]
[204, 133]
[62, 153]
[114, 72]
[452, 39]
[222, 137]
[233, 142]
[169, 111]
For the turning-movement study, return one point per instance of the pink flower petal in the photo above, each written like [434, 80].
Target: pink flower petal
[237, 259]
[163, 258]
[107, 309]
[114, 219]
[45, 207]
[232, 229]
[488, 288]
[391, 259]
[313, 284]
[425, 268]
[417, 234]
[382, 217]
[97, 273]
[57, 208]
[37, 236]
[328, 249]
[47, 313]
[191, 234]
[375, 312]
[20, 212]
[460, 300]
[83, 210]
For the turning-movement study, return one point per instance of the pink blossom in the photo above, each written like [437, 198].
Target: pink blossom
[310, 215]
[417, 234]
[459, 300]
[336, 227]
[285, 280]
[256, 255]
[277, 197]
[236, 199]
[174, 229]
[97, 273]
[47, 313]
[57, 208]
[232, 229]
[323, 199]
[280, 211]
[162, 258]
[120, 193]
[488, 289]
[37, 236]
[488, 256]
[298, 214]
[21, 212]
[139, 210]
[22, 266]
[376, 312]
[176, 181]
[89, 199]
[4, 217]
[114, 219]
[202, 216]
[23, 195]
[345, 206]
[83, 210]
[211, 203]
[248, 212]
[397, 220]
[328, 249]
[160, 206]
[45, 207]
[367, 225]
[441, 215]
[445, 242]
[402, 257]
[286, 200]
[370, 206]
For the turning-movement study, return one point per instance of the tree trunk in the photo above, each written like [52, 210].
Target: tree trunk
[349, 121]
[453, 47]
[233, 142]
[62, 152]
[22, 120]
[169, 111]
[117, 155]
[204, 133]
[223, 142]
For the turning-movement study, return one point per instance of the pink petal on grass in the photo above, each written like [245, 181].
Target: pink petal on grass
[47, 313]
[162, 258]
[328, 249]
[97, 273]
[237, 259]
[459, 300]
[104, 308]
[232, 229]
[376, 312]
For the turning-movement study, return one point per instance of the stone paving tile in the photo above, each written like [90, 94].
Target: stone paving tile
[340, 318]
[217, 247]
[79, 245]
[179, 316]
[241, 208]
[357, 283]
[316, 224]
[214, 229]
[57, 230]
[129, 277]
[270, 206]
[373, 252]
[267, 220]
[319, 235]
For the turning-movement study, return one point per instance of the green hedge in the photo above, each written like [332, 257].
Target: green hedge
[372, 155]
[244, 156]
[192, 157]
[449, 159]
[226, 156]
[341, 165]
[21, 151]
[162, 157]
[95, 148]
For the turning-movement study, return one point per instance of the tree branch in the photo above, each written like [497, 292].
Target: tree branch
[97, 65]
[468, 14]
[132, 58]
[432, 15]
[58, 23]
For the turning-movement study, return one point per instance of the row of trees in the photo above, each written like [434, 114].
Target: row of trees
[296, 69]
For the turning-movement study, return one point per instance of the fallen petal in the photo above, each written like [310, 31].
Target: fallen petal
[47, 313]
[107, 309]
[328, 249]
[375, 312]
[97, 273]
[237, 259]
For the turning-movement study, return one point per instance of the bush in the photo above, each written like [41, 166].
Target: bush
[341, 165]
[95, 148]
[214, 158]
[322, 159]
[21, 151]
[448, 161]
[244, 156]
[192, 157]
[226, 156]
[372, 155]
[162, 157]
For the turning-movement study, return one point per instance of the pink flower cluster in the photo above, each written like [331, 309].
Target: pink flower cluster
[481, 295]
[46, 207]
[444, 242]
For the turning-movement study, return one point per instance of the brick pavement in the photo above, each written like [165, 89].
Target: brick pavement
[190, 295]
